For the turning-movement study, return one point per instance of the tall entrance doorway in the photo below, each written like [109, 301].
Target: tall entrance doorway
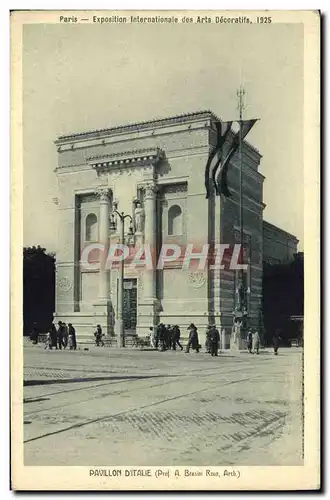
[130, 303]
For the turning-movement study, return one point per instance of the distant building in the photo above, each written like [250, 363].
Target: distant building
[279, 246]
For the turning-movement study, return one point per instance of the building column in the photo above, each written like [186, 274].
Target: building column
[150, 238]
[102, 307]
[104, 289]
[147, 305]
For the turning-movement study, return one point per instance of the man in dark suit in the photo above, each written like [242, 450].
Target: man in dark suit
[176, 337]
[60, 332]
[214, 336]
[72, 332]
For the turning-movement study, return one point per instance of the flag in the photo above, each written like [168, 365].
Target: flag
[226, 128]
[215, 156]
[245, 127]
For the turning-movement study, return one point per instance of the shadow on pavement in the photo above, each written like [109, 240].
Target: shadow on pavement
[87, 379]
[34, 400]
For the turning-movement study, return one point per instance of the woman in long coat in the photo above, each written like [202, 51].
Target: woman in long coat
[256, 342]
[193, 338]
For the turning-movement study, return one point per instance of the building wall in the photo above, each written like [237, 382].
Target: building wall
[252, 189]
[279, 246]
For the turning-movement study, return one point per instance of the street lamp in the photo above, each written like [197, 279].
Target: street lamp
[261, 325]
[120, 304]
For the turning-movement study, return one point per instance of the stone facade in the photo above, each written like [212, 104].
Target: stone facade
[279, 247]
[161, 164]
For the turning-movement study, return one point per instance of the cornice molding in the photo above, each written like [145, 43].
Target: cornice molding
[176, 153]
[169, 180]
[72, 168]
[126, 159]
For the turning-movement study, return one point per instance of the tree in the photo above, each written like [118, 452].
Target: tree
[38, 288]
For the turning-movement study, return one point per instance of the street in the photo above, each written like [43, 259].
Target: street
[133, 407]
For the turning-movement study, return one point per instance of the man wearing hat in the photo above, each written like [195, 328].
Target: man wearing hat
[214, 340]
[193, 338]
[249, 340]
[60, 331]
[161, 337]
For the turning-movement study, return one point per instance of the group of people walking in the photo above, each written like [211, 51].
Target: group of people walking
[253, 341]
[168, 337]
[63, 336]
[165, 337]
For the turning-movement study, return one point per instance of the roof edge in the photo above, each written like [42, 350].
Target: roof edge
[145, 125]
[265, 222]
[139, 125]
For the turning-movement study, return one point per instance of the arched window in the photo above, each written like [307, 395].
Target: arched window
[91, 233]
[175, 220]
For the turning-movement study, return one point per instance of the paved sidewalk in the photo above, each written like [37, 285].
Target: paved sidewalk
[114, 407]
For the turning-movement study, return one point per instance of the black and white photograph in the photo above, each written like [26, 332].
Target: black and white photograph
[165, 186]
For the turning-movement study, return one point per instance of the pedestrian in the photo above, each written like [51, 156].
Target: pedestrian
[48, 341]
[256, 342]
[98, 336]
[53, 334]
[150, 336]
[176, 337]
[214, 340]
[157, 336]
[70, 341]
[65, 335]
[162, 336]
[60, 335]
[276, 341]
[249, 341]
[193, 338]
[168, 336]
[73, 342]
[207, 339]
[34, 334]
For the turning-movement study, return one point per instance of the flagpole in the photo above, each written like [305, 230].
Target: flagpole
[240, 94]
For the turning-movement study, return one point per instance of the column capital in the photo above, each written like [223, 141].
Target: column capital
[103, 193]
[150, 189]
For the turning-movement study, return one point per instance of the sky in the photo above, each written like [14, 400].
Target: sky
[82, 77]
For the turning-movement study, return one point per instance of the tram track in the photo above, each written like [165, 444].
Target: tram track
[186, 374]
[124, 391]
[132, 410]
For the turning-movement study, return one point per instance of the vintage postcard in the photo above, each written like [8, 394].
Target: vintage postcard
[165, 250]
